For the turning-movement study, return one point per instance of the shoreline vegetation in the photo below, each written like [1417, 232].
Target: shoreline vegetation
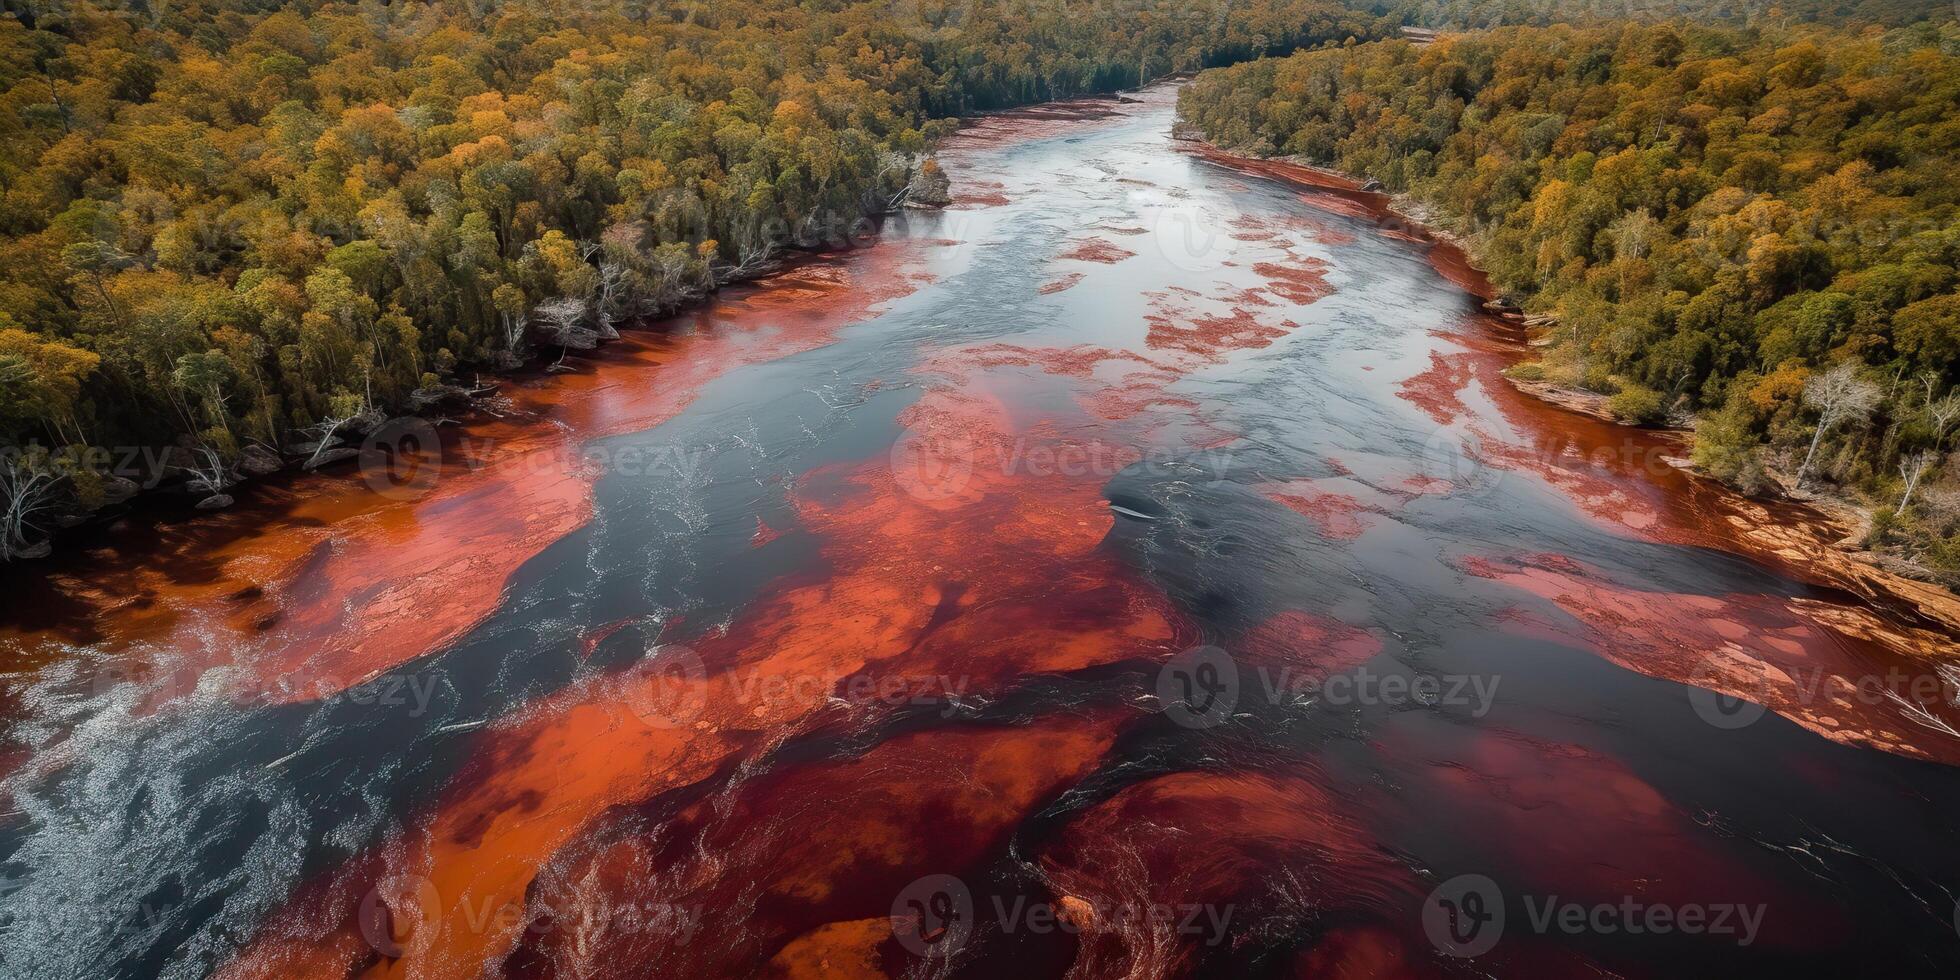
[1746, 237]
[234, 242]
[228, 329]
[1830, 548]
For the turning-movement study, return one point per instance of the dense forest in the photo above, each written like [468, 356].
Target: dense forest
[1757, 227]
[235, 227]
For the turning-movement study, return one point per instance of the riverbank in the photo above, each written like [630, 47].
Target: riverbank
[170, 484]
[330, 577]
[953, 553]
[167, 484]
[1825, 543]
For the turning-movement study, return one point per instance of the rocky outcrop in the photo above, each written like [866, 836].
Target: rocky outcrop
[259, 461]
[334, 455]
[1567, 397]
[930, 187]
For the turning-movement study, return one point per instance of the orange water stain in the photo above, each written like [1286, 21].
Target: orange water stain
[1249, 296]
[1297, 641]
[1453, 264]
[531, 784]
[763, 534]
[1097, 250]
[1209, 337]
[834, 951]
[345, 583]
[1580, 824]
[996, 129]
[1080, 361]
[1438, 390]
[1128, 384]
[1327, 234]
[1362, 953]
[1424, 485]
[1759, 648]
[756, 847]
[1298, 175]
[1058, 285]
[1245, 841]
[1630, 504]
[1302, 281]
[1336, 515]
[1348, 207]
[984, 198]
[934, 563]
[589, 640]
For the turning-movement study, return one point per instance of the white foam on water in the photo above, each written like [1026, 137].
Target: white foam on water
[125, 788]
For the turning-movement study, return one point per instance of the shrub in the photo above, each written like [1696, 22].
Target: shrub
[1638, 404]
[1599, 379]
[1882, 521]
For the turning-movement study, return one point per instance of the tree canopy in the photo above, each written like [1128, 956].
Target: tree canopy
[1714, 216]
[221, 218]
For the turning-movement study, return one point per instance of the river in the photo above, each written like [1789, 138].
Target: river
[1137, 569]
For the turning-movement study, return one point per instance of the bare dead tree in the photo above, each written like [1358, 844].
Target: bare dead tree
[562, 321]
[614, 282]
[1914, 467]
[1839, 396]
[670, 266]
[328, 428]
[209, 474]
[753, 251]
[1942, 415]
[27, 491]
